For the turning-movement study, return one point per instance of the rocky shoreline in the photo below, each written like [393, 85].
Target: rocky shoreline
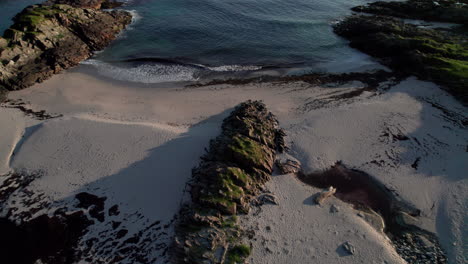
[48, 38]
[441, 10]
[231, 174]
[436, 55]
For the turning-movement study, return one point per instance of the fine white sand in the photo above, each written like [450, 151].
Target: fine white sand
[137, 145]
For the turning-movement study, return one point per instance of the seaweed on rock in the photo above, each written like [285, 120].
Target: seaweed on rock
[237, 165]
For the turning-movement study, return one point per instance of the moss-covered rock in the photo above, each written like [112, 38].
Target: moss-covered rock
[236, 166]
[441, 10]
[237, 254]
[429, 54]
[96, 4]
[48, 38]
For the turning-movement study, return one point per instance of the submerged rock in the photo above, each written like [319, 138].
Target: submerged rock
[46, 39]
[225, 184]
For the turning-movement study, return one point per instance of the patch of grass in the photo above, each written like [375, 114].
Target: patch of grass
[229, 189]
[238, 176]
[32, 18]
[238, 254]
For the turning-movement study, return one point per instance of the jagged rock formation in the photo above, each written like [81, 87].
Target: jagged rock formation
[441, 10]
[429, 54]
[46, 39]
[230, 175]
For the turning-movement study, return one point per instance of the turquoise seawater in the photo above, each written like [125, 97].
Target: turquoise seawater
[172, 40]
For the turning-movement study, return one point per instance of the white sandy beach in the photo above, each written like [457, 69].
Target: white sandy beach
[137, 146]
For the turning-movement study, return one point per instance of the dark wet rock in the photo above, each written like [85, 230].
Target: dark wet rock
[430, 54]
[239, 162]
[430, 10]
[92, 202]
[121, 233]
[419, 247]
[48, 239]
[14, 181]
[46, 39]
[114, 210]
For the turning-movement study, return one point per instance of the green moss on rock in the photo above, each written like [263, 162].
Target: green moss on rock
[238, 163]
[430, 54]
[238, 254]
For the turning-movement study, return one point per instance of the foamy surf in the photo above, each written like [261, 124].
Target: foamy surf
[234, 68]
[144, 73]
[161, 71]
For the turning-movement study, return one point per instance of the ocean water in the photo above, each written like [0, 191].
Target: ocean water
[184, 40]
[9, 8]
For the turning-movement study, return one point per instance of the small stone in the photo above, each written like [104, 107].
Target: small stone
[348, 247]
[334, 209]
[320, 198]
[287, 164]
[267, 198]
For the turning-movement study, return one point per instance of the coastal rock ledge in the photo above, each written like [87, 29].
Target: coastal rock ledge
[48, 38]
[225, 184]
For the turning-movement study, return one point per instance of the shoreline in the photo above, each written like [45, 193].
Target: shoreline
[109, 160]
[322, 128]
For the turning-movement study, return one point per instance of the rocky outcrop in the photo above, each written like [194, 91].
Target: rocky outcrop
[46, 39]
[441, 10]
[230, 175]
[96, 4]
[430, 54]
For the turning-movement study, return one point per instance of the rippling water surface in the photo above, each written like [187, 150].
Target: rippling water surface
[181, 40]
